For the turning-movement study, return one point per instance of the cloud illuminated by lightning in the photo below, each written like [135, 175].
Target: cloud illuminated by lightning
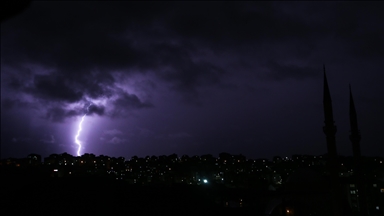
[78, 132]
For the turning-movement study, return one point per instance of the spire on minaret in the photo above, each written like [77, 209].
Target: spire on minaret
[355, 134]
[329, 128]
[355, 139]
[327, 102]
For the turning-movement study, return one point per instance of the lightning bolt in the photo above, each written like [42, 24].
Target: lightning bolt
[77, 141]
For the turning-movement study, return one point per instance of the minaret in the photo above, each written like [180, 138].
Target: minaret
[355, 133]
[355, 139]
[332, 164]
[329, 128]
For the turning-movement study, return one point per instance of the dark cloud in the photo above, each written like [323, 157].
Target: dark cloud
[225, 23]
[20, 139]
[354, 25]
[58, 114]
[99, 110]
[235, 60]
[15, 83]
[280, 71]
[97, 84]
[185, 73]
[179, 135]
[13, 8]
[116, 140]
[127, 102]
[225, 26]
[9, 103]
[113, 132]
[48, 139]
[112, 137]
[76, 57]
[52, 87]
[164, 38]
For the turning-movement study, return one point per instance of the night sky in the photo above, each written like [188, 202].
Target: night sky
[190, 78]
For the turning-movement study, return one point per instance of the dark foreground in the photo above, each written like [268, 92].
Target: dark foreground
[96, 197]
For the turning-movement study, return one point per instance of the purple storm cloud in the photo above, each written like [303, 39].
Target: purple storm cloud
[189, 77]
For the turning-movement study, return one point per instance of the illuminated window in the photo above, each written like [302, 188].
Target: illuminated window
[382, 190]
[353, 192]
[352, 185]
[374, 185]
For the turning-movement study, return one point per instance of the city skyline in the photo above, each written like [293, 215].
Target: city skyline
[162, 80]
[264, 187]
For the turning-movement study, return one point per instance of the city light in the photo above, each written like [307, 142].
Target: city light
[144, 172]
